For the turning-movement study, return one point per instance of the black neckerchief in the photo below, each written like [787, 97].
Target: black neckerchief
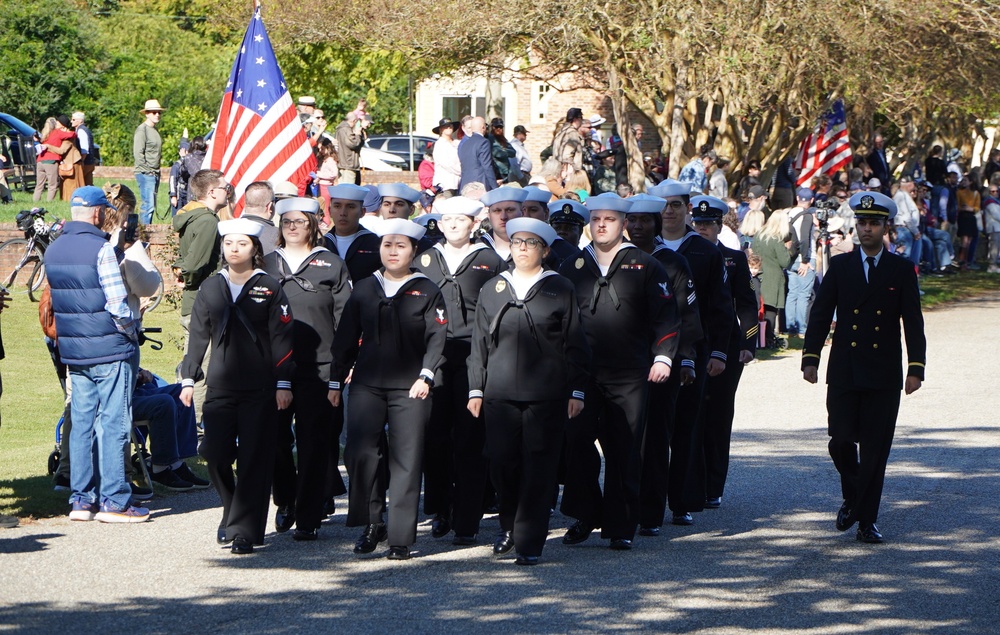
[388, 306]
[457, 294]
[288, 276]
[605, 280]
[515, 303]
[233, 308]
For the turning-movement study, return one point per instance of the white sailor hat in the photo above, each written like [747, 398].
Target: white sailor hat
[670, 187]
[400, 226]
[872, 205]
[537, 195]
[532, 226]
[348, 192]
[567, 210]
[297, 204]
[646, 204]
[399, 190]
[501, 194]
[708, 208]
[458, 205]
[243, 226]
[425, 220]
[608, 201]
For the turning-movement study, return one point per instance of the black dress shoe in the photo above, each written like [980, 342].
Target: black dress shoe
[526, 561]
[369, 540]
[868, 532]
[621, 544]
[399, 553]
[220, 536]
[682, 518]
[649, 531]
[284, 519]
[305, 534]
[579, 532]
[464, 541]
[241, 546]
[713, 503]
[440, 526]
[504, 543]
[845, 518]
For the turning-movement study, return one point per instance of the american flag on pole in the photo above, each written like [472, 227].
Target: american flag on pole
[258, 135]
[827, 148]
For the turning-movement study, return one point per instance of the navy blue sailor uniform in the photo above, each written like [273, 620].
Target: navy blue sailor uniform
[530, 355]
[317, 289]
[686, 488]
[720, 393]
[252, 342]
[390, 342]
[663, 397]
[864, 374]
[630, 317]
[455, 471]
[362, 257]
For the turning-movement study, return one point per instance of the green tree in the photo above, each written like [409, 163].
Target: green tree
[52, 52]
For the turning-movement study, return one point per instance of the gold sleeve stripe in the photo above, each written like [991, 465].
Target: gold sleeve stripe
[810, 355]
[917, 364]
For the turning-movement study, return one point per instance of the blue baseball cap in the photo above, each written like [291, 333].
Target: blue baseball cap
[89, 196]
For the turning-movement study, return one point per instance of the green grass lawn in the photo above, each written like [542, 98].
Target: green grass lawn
[60, 208]
[32, 404]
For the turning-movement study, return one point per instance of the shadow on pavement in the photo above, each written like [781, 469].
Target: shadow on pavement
[768, 561]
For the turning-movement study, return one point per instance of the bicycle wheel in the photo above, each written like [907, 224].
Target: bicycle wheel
[19, 258]
[154, 301]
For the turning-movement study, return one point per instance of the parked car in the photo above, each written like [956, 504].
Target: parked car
[17, 147]
[375, 160]
[399, 145]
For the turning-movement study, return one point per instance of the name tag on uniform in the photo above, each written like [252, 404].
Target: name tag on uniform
[320, 263]
[631, 267]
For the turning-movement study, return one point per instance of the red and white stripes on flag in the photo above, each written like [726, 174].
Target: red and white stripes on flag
[827, 149]
[258, 135]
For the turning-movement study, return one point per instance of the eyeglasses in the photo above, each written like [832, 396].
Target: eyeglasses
[676, 204]
[298, 222]
[993, 191]
[227, 187]
[530, 243]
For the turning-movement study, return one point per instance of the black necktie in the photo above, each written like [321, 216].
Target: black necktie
[871, 267]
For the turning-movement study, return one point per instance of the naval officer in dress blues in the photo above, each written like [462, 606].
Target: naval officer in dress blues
[872, 292]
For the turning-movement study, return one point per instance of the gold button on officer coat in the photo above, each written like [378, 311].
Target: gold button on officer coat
[854, 344]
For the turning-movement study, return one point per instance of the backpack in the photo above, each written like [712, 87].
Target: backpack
[45, 315]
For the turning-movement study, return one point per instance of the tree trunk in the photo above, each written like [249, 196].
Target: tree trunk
[678, 131]
[636, 169]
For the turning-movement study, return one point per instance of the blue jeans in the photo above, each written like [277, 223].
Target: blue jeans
[149, 184]
[944, 250]
[172, 431]
[912, 248]
[101, 408]
[797, 301]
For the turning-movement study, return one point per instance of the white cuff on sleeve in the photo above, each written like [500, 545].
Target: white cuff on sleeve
[663, 358]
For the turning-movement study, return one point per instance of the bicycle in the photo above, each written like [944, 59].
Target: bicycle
[18, 253]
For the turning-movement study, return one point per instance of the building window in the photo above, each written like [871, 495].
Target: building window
[455, 108]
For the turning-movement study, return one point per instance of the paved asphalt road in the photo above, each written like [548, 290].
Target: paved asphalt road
[768, 561]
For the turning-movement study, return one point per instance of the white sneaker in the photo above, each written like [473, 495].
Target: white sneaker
[130, 514]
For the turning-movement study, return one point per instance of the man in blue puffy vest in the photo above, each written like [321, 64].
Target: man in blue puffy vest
[98, 341]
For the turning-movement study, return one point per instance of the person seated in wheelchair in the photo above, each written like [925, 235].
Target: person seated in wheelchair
[172, 431]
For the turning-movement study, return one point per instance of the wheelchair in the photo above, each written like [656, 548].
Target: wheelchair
[139, 455]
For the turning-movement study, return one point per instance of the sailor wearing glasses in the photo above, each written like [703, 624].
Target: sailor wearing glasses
[527, 376]
[317, 285]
